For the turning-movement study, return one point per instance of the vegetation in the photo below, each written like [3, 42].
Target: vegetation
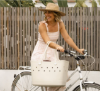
[80, 3]
[29, 3]
[94, 4]
[99, 1]
[45, 1]
[64, 3]
[16, 3]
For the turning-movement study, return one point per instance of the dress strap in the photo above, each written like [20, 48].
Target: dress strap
[47, 27]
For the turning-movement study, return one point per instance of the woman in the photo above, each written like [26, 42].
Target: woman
[48, 34]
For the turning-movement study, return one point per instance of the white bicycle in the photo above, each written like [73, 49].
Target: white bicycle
[23, 81]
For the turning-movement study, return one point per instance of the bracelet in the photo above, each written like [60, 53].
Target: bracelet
[48, 42]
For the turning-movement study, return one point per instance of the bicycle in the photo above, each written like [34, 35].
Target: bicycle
[84, 85]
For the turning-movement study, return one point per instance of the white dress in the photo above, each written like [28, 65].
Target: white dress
[41, 45]
[39, 50]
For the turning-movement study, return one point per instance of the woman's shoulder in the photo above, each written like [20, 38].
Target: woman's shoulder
[61, 23]
[41, 23]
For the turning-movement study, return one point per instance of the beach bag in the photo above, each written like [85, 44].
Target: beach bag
[49, 73]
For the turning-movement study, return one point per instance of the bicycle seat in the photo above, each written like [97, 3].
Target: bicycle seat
[80, 57]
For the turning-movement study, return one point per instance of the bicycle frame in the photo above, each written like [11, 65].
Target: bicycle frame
[78, 69]
[82, 84]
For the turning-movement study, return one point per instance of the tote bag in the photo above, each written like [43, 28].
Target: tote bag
[49, 73]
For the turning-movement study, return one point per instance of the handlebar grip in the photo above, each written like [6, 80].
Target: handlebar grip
[85, 51]
[58, 50]
[66, 51]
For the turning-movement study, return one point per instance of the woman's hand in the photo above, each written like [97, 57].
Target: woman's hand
[81, 51]
[60, 48]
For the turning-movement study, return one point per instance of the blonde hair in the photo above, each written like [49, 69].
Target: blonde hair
[56, 15]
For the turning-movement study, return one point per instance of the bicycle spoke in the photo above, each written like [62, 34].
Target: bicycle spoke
[33, 87]
[37, 88]
[89, 87]
[24, 83]
[18, 88]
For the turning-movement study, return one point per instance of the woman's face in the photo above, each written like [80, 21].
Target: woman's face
[49, 15]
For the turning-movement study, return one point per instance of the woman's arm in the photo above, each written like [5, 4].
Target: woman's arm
[43, 32]
[68, 39]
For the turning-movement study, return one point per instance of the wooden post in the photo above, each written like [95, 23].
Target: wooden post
[18, 35]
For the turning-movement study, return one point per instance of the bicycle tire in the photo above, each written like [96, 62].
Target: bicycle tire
[88, 87]
[26, 80]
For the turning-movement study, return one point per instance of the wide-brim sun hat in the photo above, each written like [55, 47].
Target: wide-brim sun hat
[52, 7]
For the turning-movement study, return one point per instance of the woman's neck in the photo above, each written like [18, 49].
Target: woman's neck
[52, 23]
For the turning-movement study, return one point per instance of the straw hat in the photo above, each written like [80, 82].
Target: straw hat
[52, 7]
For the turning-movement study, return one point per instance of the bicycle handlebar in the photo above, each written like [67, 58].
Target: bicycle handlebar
[72, 52]
[77, 57]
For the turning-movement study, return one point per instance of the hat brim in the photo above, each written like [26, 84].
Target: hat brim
[61, 13]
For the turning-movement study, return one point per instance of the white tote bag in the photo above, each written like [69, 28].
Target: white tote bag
[49, 73]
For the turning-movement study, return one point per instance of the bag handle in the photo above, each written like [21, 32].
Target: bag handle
[45, 52]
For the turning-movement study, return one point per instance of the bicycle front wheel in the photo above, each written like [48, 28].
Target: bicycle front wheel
[88, 87]
[23, 82]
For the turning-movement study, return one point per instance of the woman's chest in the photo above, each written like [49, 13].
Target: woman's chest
[53, 28]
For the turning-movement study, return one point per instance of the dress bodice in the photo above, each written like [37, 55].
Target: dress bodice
[52, 35]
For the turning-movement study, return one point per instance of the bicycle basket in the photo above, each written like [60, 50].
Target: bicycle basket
[49, 73]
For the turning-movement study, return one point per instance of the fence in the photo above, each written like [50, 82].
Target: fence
[19, 31]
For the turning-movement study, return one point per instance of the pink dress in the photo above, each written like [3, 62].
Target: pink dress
[41, 45]
[39, 50]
